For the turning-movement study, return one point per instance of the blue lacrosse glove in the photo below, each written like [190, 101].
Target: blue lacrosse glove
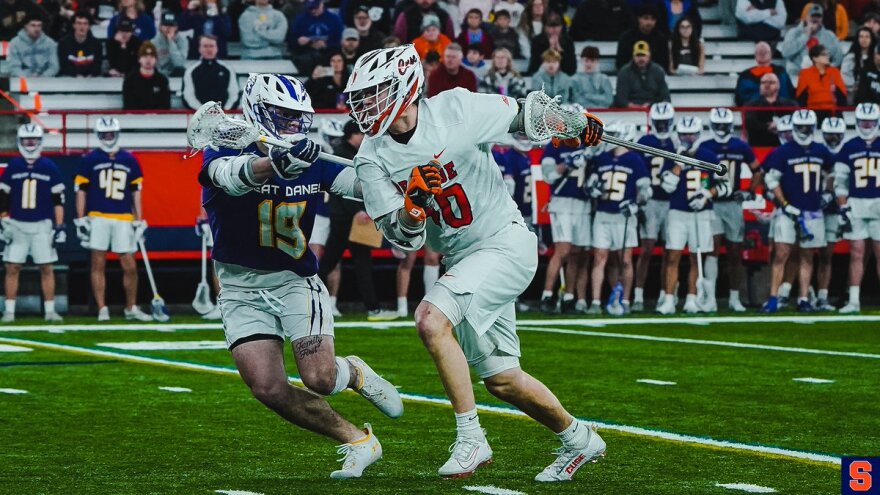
[290, 163]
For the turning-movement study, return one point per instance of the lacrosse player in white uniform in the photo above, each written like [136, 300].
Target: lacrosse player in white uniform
[833, 130]
[428, 175]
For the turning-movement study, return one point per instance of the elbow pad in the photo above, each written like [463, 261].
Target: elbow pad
[841, 179]
[233, 174]
[399, 236]
[645, 191]
[548, 169]
[771, 179]
[669, 181]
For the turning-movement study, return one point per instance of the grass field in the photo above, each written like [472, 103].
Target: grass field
[95, 420]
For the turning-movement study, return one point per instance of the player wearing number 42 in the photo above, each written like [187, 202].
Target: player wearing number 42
[459, 205]
[261, 205]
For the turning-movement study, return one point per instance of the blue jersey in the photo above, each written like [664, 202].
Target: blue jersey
[269, 227]
[863, 161]
[801, 169]
[519, 167]
[570, 185]
[109, 183]
[655, 163]
[618, 176]
[30, 189]
[737, 156]
[691, 180]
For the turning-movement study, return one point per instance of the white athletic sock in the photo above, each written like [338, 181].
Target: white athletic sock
[784, 289]
[803, 299]
[853, 295]
[567, 297]
[576, 436]
[734, 296]
[10, 305]
[343, 375]
[430, 276]
[823, 294]
[547, 294]
[333, 301]
[662, 295]
[468, 424]
[625, 301]
[402, 305]
[597, 302]
[639, 294]
[49, 306]
[690, 298]
[711, 274]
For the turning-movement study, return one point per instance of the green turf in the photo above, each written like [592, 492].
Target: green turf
[107, 428]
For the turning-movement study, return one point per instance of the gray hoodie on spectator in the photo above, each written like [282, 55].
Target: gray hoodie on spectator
[558, 85]
[171, 55]
[28, 57]
[593, 90]
[263, 30]
[794, 49]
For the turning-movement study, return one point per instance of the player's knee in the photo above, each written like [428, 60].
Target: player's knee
[319, 382]
[505, 384]
[13, 268]
[269, 392]
[430, 324]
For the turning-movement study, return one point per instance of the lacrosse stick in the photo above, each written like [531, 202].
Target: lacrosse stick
[545, 119]
[202, 302]
[701, 281]
[159, 310]
[803, 231]
[211, 127]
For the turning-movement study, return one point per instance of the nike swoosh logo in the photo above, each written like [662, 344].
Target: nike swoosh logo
[470, 460]
[438, 154]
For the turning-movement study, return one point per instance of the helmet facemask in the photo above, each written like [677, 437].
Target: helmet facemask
[371, 107]
[30, 147]
[688, 140]
[722, 131]
[283, 121]
[803, 133]
[661, 128]
[108, 141]
[833, 140]
[866, 128]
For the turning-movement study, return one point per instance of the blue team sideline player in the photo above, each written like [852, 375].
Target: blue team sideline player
[32, 195]
[261, 207]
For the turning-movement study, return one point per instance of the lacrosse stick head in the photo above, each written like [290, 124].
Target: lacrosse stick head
[545, 118]
[210, 126]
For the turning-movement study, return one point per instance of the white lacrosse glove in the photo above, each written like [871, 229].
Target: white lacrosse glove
[699, 200]
[628, 208]
[6, 229]
[83, 230]
[669, 181]
[594, 186]
[791, 210]
[59, 236]
[289, 163]
[140, 227]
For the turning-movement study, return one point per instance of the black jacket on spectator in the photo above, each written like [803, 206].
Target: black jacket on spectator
[540, 44]
[601, 20]
[325, 93]
[384, 22]
[656, 40]
[748, 84]
[145, 93]
[123, 59]
[869, 86]
[757, 122]
[12, 17]
[636, 86]
[370, 42]
[509, 40]
[210, 80]
[80, 59]
[414, 16]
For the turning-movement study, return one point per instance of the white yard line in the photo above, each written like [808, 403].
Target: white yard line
[236, 492]
[745, 487]
[13, 391]
[14, 348]
[633, 430]
[809, 379]
[176, 389]
[492, 490]
[654, 382]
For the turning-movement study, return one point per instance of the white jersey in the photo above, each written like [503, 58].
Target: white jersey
[457, 128]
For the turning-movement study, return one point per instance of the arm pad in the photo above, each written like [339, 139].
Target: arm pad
[669, 181]
[233, 174]
[398, 235]
[58, 199]
[548, 169]
[645, 191]
[841, 179]
[347, 185]
[771, 178]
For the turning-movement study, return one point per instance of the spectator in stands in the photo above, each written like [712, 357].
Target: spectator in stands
[210, 79]
[474, 34]
[350, 47]
[474, 61]
[821, 86]
[429, 65]
[450, 74]
[641, 82]
[59, 15]
[869, 81]
[378, 11]
[504, 35]
[514, 11]
[761, 125]
[531, 23]
[748, 83]
[807, 34]
[688, 55]
[592, 89]
[370, 36]
[431, 40]
[760, 20]
[31, 52]
[80, 54]
[861, 53]
[263, 30]
[410, 21]
[390, 42]
[646, 30]
[12, 16]
[327, 85]
[205, 17]
[551, 79]
[835, 20]
[671, 11]
[484, 7]
[146, 88]
[144, 24]
[872, 21]
[172, 46]
[122, 50]
[313, 35]
[553, 37]
[502, 78]
[601, 20]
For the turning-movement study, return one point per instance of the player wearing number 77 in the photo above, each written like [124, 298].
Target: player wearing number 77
[261, 208]
[794, 174]
[429, 176]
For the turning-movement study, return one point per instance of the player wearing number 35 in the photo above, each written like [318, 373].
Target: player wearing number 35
[429, 176]
[261, 208]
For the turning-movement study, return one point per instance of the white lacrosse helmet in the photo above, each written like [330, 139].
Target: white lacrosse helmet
[867, 116]
[721, 124]
[331, 130]
[522, 143]
[803, 126]
[382, 85]
[784, 129]
[621, 130]
[30, 141]
[661, 115]
[833, 129]
[277, 104]
[688, 130]
[107, 129]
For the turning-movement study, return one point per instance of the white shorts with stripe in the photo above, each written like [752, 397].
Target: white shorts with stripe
[110, 234]
[690, 229]
[32, 239]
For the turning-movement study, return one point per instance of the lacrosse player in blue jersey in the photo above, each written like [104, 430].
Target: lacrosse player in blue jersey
[261, 205]
[32, 197]
[833, 129]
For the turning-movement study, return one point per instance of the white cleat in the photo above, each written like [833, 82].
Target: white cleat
[214, 314]
[736, 306]
[709, 306]
[666, 306]
[379, 391]
[382, 315]
[54, 317]
[850, 308]
[135, 313]
[468, 453]
[336, 312]
[568, 461]
[8, 317]
[691, 307]
[358, 455]
[104, 314]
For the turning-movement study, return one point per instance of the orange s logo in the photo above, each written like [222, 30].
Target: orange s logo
[860, 476]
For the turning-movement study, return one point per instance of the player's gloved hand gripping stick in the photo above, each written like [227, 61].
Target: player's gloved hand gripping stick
[424, 184]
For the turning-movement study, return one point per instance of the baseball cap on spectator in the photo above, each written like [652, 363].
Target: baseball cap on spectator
[350, 33]
[351, 128]
[430, 20]
[124, 24]
[168, 18]
[147, 49]
[641, 48]
[816, 10]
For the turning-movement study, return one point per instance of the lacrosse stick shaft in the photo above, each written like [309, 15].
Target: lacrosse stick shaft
[699, 249]
[714, 167]
[204, 258]
[324, 156]
[147, 266]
